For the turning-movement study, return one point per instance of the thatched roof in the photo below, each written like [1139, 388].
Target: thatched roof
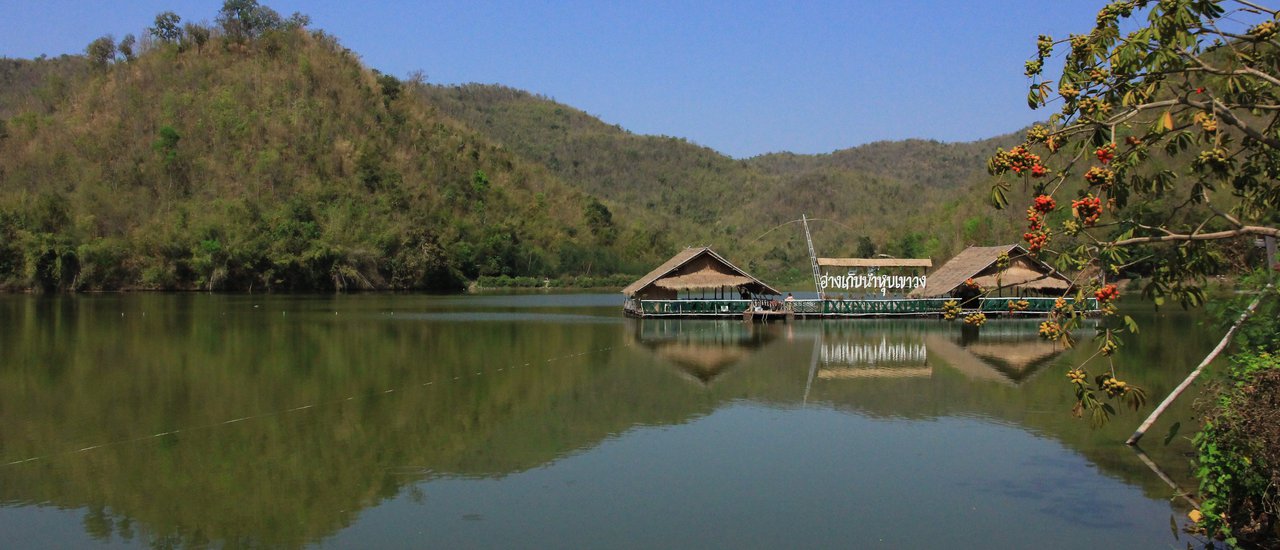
[978, 263]
[875, 262]
[705, 278]
[1015, 275]
[716, 272]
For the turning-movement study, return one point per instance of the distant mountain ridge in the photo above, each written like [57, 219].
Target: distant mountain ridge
[899, 187]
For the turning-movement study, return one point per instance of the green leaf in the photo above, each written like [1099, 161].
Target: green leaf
[998, 199]
[1131, 324]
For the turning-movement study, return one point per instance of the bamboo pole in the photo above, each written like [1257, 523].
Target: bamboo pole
[1142, 430]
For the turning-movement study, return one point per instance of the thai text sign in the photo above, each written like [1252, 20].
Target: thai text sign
[871, 282]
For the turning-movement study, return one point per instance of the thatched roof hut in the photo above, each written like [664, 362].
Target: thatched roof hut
[1024, 274]
[695, 269]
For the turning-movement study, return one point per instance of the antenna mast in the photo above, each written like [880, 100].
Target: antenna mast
[813, 258]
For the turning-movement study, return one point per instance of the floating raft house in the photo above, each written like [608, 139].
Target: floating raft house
[698, 282]
[721, 288]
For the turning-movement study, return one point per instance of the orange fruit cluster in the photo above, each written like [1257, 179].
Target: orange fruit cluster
[1106, 153]
[1088, 209]
[1036, 240]
[1098, 175]
[1019, 160]
[1106, 294]
[1044, 204]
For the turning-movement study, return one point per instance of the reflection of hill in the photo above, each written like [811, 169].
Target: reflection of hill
[475, 398]
[76, 373]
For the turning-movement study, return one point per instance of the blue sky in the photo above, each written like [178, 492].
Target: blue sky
[744, 78]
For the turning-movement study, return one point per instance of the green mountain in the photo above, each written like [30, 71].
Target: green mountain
[277, 162]
[224, 159]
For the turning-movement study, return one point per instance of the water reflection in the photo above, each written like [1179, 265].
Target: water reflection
[702, 350]
[1007, 351]
[265, 421]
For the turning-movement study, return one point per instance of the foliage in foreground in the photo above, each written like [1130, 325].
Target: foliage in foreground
[1167, 149]
[1238, 455]
[1163, 158]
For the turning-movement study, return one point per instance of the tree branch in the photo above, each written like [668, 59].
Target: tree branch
[1228, 117]
[1241, 231]
[1257, 7]
[1246, 70]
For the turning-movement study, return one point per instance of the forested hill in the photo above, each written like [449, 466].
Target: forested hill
[265, 156]
[907, 198]
[271, 160]
[38, 84]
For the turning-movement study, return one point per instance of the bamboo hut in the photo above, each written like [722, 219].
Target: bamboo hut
[701, 270]
[1023, 275]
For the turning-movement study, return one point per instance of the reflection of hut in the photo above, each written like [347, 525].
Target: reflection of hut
[703, 351]
[1007, 361]
[697, 269]
[1022, 276]
[701, 361]
[868, 358]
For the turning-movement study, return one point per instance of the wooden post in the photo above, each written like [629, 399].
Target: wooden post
[1142, 430]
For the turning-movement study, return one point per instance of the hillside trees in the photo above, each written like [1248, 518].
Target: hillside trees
[278, 164]
[101, 51]
[247, 19]
[1163, 157]
[166, 27]
[125, 47]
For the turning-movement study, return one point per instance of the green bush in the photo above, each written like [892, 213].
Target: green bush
[1238, 455]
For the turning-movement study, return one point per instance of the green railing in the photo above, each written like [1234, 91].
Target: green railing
[843, 308]
[906, 306]
[693, 307]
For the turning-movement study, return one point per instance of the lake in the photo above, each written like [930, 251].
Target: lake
[537, 421]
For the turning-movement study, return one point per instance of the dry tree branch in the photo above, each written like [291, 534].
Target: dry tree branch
[1184, 237]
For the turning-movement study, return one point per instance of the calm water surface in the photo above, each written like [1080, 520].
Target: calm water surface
[408, 421]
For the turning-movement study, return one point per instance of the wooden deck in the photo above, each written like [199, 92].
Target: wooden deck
[810, 308]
